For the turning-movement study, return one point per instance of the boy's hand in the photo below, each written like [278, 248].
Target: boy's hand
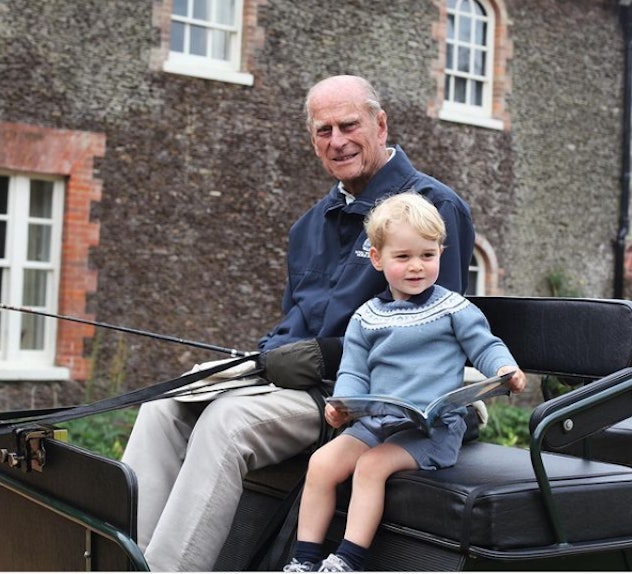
[518, 382]
[336, 418]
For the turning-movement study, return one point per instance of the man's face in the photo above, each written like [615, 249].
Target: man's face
[348, 139]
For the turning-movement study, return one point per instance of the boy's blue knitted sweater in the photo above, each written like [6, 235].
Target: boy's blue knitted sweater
[417, 349]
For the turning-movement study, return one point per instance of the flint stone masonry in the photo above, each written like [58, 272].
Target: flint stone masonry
[199, 180]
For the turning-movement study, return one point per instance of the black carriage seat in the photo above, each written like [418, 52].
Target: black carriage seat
[506, 503]
[493, 497]
[491, 501]
[579, 340]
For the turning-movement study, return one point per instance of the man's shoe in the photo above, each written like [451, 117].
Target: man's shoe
[296, 566]
[333, 563]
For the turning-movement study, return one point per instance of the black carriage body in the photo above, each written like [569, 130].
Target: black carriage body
[499, 508]
[77, 513]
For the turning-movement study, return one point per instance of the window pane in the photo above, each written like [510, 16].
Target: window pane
[472, 280]
[176, 38]
[480, 32]
[478, 9]
[477, 92]
[39, 241]
[41, 199]
[459, 90]
[450, 30]
[34, 295]
[34, 290]
[225, 12]
[179, 7]
[3, 239]
[479, 62]
[4, 202]
[465, 26]
[201, 9]
[464, 60]
[32, 336]
[32, 226]
[4, 193]
[221, 45]
[449, 57]
[198, 41]
[447, 87]
[451, 4]
[465, 6]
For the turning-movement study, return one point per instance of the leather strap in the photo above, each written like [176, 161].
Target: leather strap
[151, 393]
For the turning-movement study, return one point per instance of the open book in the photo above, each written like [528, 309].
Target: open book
[380, 405]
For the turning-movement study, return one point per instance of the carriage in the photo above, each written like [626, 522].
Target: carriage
[563, 504]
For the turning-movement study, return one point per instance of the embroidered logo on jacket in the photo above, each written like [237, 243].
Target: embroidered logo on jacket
[364, 252]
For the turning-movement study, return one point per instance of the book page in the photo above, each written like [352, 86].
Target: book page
[381, 405]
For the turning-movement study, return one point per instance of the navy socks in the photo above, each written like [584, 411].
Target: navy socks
[308, 552]
[353, 554]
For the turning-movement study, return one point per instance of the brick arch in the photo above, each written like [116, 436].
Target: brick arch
[67, 153]
[490, 264]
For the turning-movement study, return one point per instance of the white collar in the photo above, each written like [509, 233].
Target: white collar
[349, 197]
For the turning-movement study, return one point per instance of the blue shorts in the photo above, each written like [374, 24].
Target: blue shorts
[430, 452]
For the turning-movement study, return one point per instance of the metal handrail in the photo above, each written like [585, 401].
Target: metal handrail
[537, 437]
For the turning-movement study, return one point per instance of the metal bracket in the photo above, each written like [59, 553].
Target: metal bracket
[29, 452]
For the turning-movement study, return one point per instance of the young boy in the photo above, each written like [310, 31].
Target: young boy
[411, 341]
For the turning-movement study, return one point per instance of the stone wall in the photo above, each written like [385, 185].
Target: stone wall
[201, 180]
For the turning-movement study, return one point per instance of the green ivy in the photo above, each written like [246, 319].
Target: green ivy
[508, 425]
[104, 433]
[107, 433]
[562, 285]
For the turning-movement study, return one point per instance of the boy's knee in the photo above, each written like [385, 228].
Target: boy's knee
[322, 468]
[369, 465]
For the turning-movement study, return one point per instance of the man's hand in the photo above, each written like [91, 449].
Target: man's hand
[303, 364]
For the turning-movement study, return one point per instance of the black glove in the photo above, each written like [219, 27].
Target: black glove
[303, 364]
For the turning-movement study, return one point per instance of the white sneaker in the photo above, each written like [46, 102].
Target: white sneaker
[333, 563]
[296, 566]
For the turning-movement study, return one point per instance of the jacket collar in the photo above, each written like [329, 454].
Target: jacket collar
[390, 179]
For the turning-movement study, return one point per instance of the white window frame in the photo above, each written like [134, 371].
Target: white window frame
[477, 266]
[17, 363]
[208, 67]
[466, 112]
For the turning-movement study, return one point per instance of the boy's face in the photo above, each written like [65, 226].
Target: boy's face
[409, 261]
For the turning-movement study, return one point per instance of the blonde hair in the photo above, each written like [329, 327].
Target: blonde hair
[409, 208]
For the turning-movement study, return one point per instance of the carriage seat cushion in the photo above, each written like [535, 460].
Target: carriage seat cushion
[490, 499]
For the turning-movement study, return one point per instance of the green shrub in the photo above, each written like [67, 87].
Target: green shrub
[107, 433]
[562, 285]
[508, 425]
[104, 433]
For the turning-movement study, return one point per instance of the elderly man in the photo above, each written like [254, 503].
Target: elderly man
[190, 457]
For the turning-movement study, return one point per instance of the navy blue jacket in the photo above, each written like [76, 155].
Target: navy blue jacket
[329, 271]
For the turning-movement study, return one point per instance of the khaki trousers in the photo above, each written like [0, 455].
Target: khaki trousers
[190, 459]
